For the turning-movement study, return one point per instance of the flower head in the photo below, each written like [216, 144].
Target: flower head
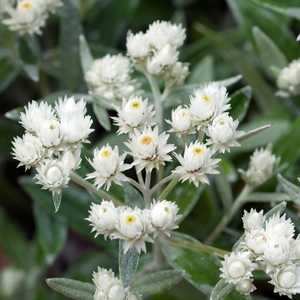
[253, 220]
[181, 120]
[137, 45]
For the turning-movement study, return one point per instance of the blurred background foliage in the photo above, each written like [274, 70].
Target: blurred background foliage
[224, 39]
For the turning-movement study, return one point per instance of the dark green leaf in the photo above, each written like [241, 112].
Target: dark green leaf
[240, 102]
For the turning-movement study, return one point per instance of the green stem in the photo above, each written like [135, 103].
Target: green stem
[92, 189]
[168, 188]
[161, 183]
[229, 215]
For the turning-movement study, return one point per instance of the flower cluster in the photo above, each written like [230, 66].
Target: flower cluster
[110, 77]
[133, 225]
[156, 51]
[261, 167]
[289, 78]
[52, 140]
[109, 287]
[28, 16]
[269, 245]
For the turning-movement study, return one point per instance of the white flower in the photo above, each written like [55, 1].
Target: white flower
[162, 33]
[245, 287]
[103, 218]
[255, 240]
[49, 133]
[134, 114]
[196, 164]
[223, 133]
[253, 220]
[133, 228]
[149, 148]
[35, 115]
[164, 216]
[108, 165]
[165, 57]
[108, 287]
[237, 267]
[286, 280]
[261, 167]
[137, 45]
[209, 101]
[177, 73]
[181, 120]
[53, 175]
[75, 125]
[289, 78]
[109, 77]
[71, 158]
[28, 17]
[28, 150]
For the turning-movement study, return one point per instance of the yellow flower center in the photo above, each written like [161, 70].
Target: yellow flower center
[136, 104]
[167, 209]
[206, 98]
[130, 219]
[26, 5]
[198, 150]
[105, 153]
[146, 140]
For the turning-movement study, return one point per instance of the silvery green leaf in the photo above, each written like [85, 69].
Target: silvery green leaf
[128, 264]
[133, 197]
[102, 116]
[267, 197]
[230, 81]
[72, 289]
[221, 290]
[278, 209]
[155, 282]
[56, 198]
[85, 54]
[252, 132]
[291, 189]
[240, 102]
[32, 72]
[203, 71]
[14, 114]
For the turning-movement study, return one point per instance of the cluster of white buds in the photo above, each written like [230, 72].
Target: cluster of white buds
[289, 78]
[133, 225]
[28, 16]
[110, 77]
[156, 51]
[269, 245]
[261, 167]
[109, 287]
[52, 140]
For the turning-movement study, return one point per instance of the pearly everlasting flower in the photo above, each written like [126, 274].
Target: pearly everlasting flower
[256, 240]
[286, 280]
[132, 228]
[261, 167]
[137, 45]
[108, 165]
[196, 164]
[223, 133]
[35, 115]
[149, 148]
[75, 125]
[181, 120]
[237, 267]
[49, 133]
[109, 77]
[28, 150]
[177, 73]
[134, 114]
[209, 101]
[103, 218]
[245, 287]
[253, 220]
[164, 216]
[289, 78]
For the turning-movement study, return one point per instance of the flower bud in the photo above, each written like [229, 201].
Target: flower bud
[253, 220]
[181, 120]
[245, 287]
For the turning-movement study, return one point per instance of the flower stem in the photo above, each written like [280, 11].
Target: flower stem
[229, 215]
[168, 188]
[92, 189]
[161, 183]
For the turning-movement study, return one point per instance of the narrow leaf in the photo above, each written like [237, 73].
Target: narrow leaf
[85, 54]
[221, 290]
[203, 71]
[240, 102]
[102, 116]
[291, 189]
[278, 209]
[133, 197]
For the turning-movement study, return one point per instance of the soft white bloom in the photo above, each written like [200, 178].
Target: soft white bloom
[149, 148]
[133, 228]
[53, 175]
[181, 120]
[164, 216]
[196, 164]
[75, 125]
[10, 281]
[289, 78]
[137, 45]
[237, 267]
[223, 133]
[177, 73]
[253, 220]
[162, 33]
[209, 101]
[286, 280]
[108, 165]
[35, 115]
[256, 240]
[261, 167]
[165, 57]
[28, 150]
[49, 133]
[71, 158]
[134, 114]
[245, 286]
[109, 77]
[103, 218]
